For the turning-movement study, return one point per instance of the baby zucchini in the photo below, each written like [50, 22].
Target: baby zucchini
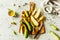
[54, 27]
[12, 22]
[33, 13]
[25, 31]
[55, 35]
[28, 24]
[41, 18]
[14, 32]
[21, 29]
[32, 24]
[38, 13]
[26, 13]
[34, 21]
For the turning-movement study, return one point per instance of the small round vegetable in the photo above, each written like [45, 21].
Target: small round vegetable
[11, 13]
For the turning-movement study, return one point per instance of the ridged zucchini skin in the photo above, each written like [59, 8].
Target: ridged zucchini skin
[28, 24]
[55, 35]
[25, 31]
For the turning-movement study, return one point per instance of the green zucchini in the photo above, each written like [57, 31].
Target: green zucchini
[32, 24]
[25, 31]
[28, 24]
[34, 21]
[26, 13]
[14, 32]
[54, 27]
[34, 12]
[21, 29]
[55, 35]
[38, 13]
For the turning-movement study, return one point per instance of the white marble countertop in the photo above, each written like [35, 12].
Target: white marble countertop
[6, 28]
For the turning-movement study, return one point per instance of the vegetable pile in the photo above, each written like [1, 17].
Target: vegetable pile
[32, 21]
